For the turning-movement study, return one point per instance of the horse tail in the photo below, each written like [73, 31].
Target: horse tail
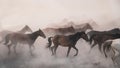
[6, 39]
[49, 42]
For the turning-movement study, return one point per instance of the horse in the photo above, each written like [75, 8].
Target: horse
[112, 31]
[4, 33]
[59, 31]
[84, 28]
[100, 36]
[66, 41]
[16, 38]
[107, 47]
[66, 30]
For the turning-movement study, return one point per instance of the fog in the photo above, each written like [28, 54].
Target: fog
[43, 13]
[15, 14]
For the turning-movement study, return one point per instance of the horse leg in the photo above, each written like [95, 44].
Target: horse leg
[9, 48]
[100, 45]
[52, 50]
[76, 51]
[55, 49]
[93, 46]
[104, 50]
[15, 49]
[69, 48]
[30, 49]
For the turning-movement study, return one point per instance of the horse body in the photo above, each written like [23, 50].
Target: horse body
[59, 31]
[112, 31]
[66, 41]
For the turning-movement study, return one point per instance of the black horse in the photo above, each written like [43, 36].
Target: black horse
[100, 36]
[66, 41]
[16, 38]
[92, 33]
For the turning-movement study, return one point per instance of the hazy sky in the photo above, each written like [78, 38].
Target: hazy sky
[41, 13]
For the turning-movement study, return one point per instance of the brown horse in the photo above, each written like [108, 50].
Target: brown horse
[59, 31]
[66, 41]
[66, 30]
[4, 33]
[16, 38]
[84, 28]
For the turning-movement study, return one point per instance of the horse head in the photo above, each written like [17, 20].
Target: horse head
[41, 33]
[84, 36]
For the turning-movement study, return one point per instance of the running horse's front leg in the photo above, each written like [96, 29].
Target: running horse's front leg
[69, 48]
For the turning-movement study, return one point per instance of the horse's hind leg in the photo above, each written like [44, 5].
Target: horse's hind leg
[55, 49]
[9, 48]
[69, 48]
[104, 50]
[15, 49]
[52, 50]
[76, 51]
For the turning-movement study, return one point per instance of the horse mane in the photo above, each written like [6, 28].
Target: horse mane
[76, 35]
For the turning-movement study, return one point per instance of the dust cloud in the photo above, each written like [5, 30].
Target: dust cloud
[42, 57]
[15, 14]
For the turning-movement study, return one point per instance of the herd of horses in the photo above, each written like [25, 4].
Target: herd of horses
[93, 37]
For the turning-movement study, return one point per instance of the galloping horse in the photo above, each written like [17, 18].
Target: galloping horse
[16, 38]
[66, 41]
[100, 37]
[92, 33]
[5, 32]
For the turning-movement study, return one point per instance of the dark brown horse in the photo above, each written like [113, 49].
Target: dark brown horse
[92, 33]
[100, 37]
[66, 41]
[16, 38]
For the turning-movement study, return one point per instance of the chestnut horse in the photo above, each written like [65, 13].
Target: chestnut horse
[66, 41]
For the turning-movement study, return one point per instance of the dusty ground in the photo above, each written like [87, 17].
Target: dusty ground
[42, 57]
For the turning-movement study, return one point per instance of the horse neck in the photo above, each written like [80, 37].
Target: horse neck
[22, 30]
[75, 37]
[33, 36]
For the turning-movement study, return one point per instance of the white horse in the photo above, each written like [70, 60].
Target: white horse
[112, 50]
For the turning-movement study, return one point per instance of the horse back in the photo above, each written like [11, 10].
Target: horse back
[61, 40]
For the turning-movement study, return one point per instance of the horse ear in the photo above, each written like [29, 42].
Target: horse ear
[39, 29]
